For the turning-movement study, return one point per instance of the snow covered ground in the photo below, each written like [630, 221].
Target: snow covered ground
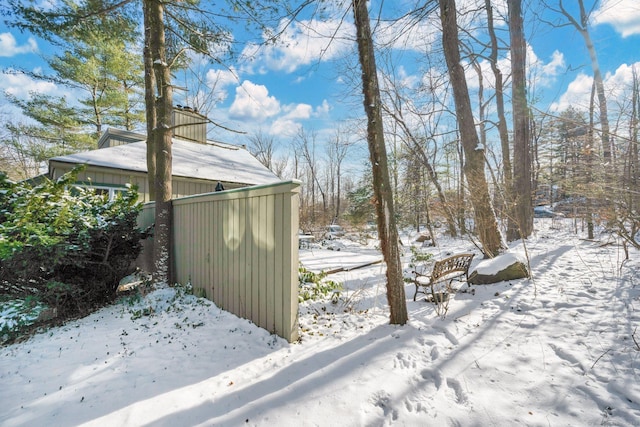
[560, 349]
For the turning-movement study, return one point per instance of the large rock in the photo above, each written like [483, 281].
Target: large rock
[507, 266]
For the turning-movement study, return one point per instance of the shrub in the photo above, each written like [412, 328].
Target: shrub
[66, 244]
[17, 315]
[313, 286]
[418, 257]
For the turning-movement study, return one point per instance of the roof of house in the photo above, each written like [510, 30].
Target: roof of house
[124, 136]
[211, 161]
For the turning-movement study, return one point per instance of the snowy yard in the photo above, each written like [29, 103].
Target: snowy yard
[560, 349]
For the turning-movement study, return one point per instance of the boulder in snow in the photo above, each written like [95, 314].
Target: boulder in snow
[507, 266]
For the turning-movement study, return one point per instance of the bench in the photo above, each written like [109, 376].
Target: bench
[305, 240]
[447, 270]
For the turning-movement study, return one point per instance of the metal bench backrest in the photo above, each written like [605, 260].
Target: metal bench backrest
[454, 264]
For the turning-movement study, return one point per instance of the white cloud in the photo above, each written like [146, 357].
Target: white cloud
[9, 46]
[298, 111]
[284, 128]
[408, 33]
[322, 109]
[617, 84]
[488, 80]
[288, 124]
[253, 102]
[623, 15]
[405, 79]
[556, 64]
[577, 95]
[219, 80]
[301, 43]
[222, 78]
[540, 73]
[254, 108]
[20, 85]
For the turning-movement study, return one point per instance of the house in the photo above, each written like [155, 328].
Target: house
[240, 247]
[198, 165]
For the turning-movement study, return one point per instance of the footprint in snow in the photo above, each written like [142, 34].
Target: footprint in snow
[404, 361]
[451, 387]
[432, 376]
[459, 395]
[415, 404]
[448, 335]
[382, 399]
[569, 358]
[435, 354]
[426, 341]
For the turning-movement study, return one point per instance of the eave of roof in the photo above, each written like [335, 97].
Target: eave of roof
[215, 162]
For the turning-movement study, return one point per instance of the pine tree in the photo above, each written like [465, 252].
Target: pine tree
[97, 62]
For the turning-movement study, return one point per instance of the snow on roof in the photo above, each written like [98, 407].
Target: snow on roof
[211, 161]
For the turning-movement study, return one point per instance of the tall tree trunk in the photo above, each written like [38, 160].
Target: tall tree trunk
[461, 210]
[590, 164]
[522, 209]
[161, 140]
[633, 168]
[583, 29]
[387, 230]
[486, 224]
[631, 177]
[150, 110]
[503, 130]
[338, 190]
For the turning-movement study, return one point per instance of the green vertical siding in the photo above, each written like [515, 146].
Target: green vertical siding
[241, 248]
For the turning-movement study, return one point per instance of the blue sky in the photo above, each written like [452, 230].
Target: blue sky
[308, 83]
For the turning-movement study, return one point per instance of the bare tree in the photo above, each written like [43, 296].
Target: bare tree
[337, 151]
[581, 24]
[486, 224]
[417, 147]
[387, 229]
[632, 169]
[23, 155]
[417, 126]
[627, 213]
[305, 144]
[503, 130]
[522, 208]
[263, 148]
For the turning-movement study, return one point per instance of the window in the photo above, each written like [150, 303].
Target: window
[104, 189]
